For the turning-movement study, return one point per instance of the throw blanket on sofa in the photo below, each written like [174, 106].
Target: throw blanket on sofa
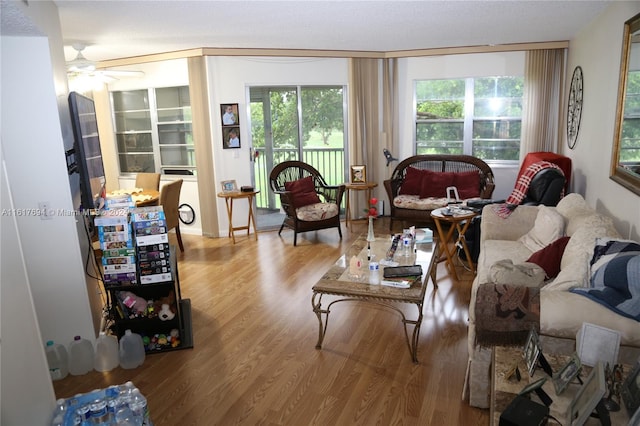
[522, 187]
[505, 314]
[615, 280]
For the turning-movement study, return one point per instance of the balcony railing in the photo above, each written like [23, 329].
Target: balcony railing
[328, 161]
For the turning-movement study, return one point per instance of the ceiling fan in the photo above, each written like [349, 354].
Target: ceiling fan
[81, 66]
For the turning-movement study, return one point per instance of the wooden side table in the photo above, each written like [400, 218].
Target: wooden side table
[455, 224]
[364, 186]
[228, 198]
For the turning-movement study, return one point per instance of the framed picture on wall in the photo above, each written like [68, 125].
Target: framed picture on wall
[358, 174]
[229, 115]
[231, 137]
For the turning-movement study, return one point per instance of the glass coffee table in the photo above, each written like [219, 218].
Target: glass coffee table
[338, 281]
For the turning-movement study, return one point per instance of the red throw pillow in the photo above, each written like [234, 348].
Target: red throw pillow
[468, 184]
[549, 257]
[412, 182]
[435, 184]
[303, 192]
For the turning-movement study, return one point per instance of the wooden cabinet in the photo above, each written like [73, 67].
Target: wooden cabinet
[139, 308]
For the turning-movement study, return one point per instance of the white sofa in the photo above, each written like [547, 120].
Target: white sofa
[561, 312]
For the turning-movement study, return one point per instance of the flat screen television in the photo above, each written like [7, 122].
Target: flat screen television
[88, 154]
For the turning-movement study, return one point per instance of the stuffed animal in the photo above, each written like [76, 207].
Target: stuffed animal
[165, 313]
[166, 307]
[136, 304]
[174, 338]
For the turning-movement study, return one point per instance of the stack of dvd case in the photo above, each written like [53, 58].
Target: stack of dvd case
[117, 245]
[152, 244]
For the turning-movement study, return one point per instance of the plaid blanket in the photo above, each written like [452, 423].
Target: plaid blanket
[522, 187]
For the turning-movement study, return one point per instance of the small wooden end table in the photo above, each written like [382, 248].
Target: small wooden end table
[364, 186]
[228, 198]
[455, 222]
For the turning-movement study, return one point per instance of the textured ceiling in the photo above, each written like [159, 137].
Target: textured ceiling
[117, 29]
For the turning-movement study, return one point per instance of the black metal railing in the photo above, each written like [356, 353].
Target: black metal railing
[328, 161]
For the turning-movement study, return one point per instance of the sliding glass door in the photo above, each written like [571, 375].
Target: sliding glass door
[304, 123]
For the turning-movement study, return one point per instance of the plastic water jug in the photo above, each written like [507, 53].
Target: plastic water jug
[131, 350]
[58, 360]
[80, 356]
[106, 357]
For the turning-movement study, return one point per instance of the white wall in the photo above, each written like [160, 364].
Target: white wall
[36, 171]
[25, 374]
[597, 50]
[229, 79]
[454, 66]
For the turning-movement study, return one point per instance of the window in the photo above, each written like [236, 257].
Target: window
[476, 116]
[154, 131]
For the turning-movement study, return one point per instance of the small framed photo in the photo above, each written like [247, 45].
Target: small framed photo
[588, 396]
[567, 373]
[229, 186]
[532, 386]
[631, 391]
[229, 115]
[531, 352]
[358, 174]
[231, 137]
[537, 388]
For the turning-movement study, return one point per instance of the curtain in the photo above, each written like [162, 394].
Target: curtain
[390, 117]
[365, 124]
[373, 113]
[543, 88]
[363, 77]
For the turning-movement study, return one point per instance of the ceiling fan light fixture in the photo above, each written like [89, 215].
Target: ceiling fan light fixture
[80, 64]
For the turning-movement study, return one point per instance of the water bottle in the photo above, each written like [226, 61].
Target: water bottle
[374, 273]
[106, 356]
[60, 412]
[58, 360]
[98, 413]
[138, 405]
[82, 415]
[131, 350]
[407, 243]
[125, 417]
[80, 356]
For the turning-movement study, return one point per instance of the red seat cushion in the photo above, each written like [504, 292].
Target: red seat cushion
[303, 191]
[549, 257]
[435, 184]
[412, 182]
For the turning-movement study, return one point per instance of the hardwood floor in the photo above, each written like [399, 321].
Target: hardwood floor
[254, 359]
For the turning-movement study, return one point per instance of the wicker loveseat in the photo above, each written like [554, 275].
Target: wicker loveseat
[417, 209]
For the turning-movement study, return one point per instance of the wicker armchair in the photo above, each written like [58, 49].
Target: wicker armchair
[298, 219]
